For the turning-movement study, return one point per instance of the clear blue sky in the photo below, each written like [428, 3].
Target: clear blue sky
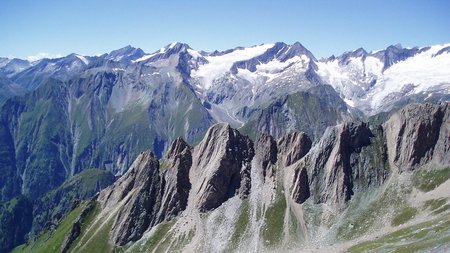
[28, 27]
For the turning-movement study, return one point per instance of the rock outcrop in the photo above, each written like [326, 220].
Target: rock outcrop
[266, 155]
[217, 169]
[335, 167]
[294, 146]
[417, 134]
[147, 194]
[349, 158]
[175, 180]
[354, 157]
[220, 167]
[301, 190]
[137, 196]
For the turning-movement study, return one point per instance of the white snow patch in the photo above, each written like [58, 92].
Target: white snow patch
[219, 65]
[172, 45]
[349, 102]
[194, 53]
[276, 66]
[144, 58]
[423, 71]
[332, 71]
[83, 59]
[419, 73]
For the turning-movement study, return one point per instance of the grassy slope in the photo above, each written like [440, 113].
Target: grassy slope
[51, 241]
[433, 230]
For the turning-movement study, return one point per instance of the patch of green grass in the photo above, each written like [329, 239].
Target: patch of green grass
[437, 205]
[163, 165]
[428, 179]
[185, 239]
[51, 241]
[241, 223]
[442, 209]
[406, 214]
[434, 204]
[93, 239]
[88, 220]
[360, 220]
[82, 185]
[155, 240]
[420, 237]
[272, 233]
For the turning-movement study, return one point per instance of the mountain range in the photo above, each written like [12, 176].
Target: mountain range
[270, 133]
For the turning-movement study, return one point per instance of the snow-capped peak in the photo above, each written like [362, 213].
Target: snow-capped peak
[374, 81]
[83, 59]
[4, 61]
[167, 51]
[220, 64]
[127, 53]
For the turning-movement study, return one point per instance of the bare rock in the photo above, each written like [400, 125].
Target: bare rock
[137, 195]
[220, 167]
[266, 154]
[418, 134]
[301, 190]
[294, 146]
[175, 180]
[333, 167]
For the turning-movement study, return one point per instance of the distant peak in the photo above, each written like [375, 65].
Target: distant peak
[357, 53]
[177, 46]
[125, 53]
[286, 51]
[297, 45]
[360, 51]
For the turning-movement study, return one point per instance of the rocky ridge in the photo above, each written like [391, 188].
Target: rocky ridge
[348, 160]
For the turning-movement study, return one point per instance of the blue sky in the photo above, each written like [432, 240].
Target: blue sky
[29, 27]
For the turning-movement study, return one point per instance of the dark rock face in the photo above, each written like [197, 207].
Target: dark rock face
[138, 192]
[221, 166]
[354, 157]
[301, 191]
[417, 134]
[294, 146]
[336, 166]
[266, 154]
[344, 59]
[396, 53]
[175, 180]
